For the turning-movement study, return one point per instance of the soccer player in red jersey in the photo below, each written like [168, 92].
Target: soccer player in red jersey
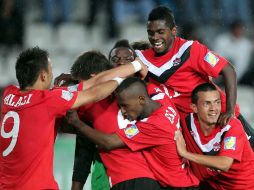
[225, 150]
[181, 65]
[84, 68]
[28, 117]
[126, 169]
[153, 134]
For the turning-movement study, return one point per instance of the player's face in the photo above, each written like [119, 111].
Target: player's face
[208, 107]
[131, 107]
[121, 56]
[160, 36]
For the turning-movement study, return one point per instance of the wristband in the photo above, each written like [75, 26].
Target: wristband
[137, 66]
[118, 80]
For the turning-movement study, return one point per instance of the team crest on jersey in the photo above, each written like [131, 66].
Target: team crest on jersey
[192, 133]
[230, 143]
[67, 95]
[216, 147]
[211, 59]
[131, 131]
[177, 61]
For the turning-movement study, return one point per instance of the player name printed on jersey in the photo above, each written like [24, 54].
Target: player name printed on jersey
[9, 100]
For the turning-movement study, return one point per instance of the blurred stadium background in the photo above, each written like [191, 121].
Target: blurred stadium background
[67, 27]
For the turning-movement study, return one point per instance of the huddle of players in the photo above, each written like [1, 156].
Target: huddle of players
[137, 129]
[172, 69]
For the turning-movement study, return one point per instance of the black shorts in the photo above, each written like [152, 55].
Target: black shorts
[138, 184]
[180, 188]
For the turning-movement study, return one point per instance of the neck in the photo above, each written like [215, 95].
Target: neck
[150, 107]
[206, 128]
[36, 86]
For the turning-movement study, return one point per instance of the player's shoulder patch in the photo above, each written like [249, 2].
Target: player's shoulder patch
[131, 131]
[73, 88]
[230, 143]
[67, 95]
[211, 58]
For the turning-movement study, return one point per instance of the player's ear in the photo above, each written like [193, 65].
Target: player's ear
[141, 100]
[194, 108]
[174, 31]
[43, 75]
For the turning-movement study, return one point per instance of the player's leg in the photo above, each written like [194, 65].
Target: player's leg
[84, 152]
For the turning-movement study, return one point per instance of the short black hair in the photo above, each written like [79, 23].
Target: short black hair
[121, 43]
[162, 13]
[29, 64]
[205, 87]
[140, 45]
[90, 62]
[129, 82]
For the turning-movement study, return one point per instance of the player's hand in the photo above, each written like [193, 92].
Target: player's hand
[144, 70]
[225, 118]
[73, 118]
[180, 143]
[62, 79]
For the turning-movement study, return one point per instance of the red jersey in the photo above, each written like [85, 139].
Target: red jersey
[186, 65]
[154, 136]
[28, 135]
[121, 164]
[230, 141]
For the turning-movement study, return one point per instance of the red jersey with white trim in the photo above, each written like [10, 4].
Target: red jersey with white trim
[230, 141]
[121, 164]
[154, 136]
[186, 65]
[28, 135]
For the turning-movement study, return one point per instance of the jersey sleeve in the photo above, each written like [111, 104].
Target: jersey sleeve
[205, 61]
[142, 135]
[234, 140]
[60, 100]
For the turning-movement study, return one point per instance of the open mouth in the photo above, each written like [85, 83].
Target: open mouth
[213, 115]
[158, 45]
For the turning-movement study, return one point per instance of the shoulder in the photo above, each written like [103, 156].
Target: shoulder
[236, 126]
[146, 52]
[198, 45]
[167, 112]
[62, 92]
[11, 89]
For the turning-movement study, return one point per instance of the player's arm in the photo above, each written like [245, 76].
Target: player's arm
[77, 185]
[222, 163]
[96, 93]
[122, 71]
[105, 141]
[65, 127]
[229, 75]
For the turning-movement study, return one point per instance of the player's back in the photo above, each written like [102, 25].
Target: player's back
[122, 164]
[162, 124]
[27, 138]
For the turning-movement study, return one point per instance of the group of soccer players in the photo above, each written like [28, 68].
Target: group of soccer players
[173, 130]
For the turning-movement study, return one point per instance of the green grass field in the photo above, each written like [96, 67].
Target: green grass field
[63, 164]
